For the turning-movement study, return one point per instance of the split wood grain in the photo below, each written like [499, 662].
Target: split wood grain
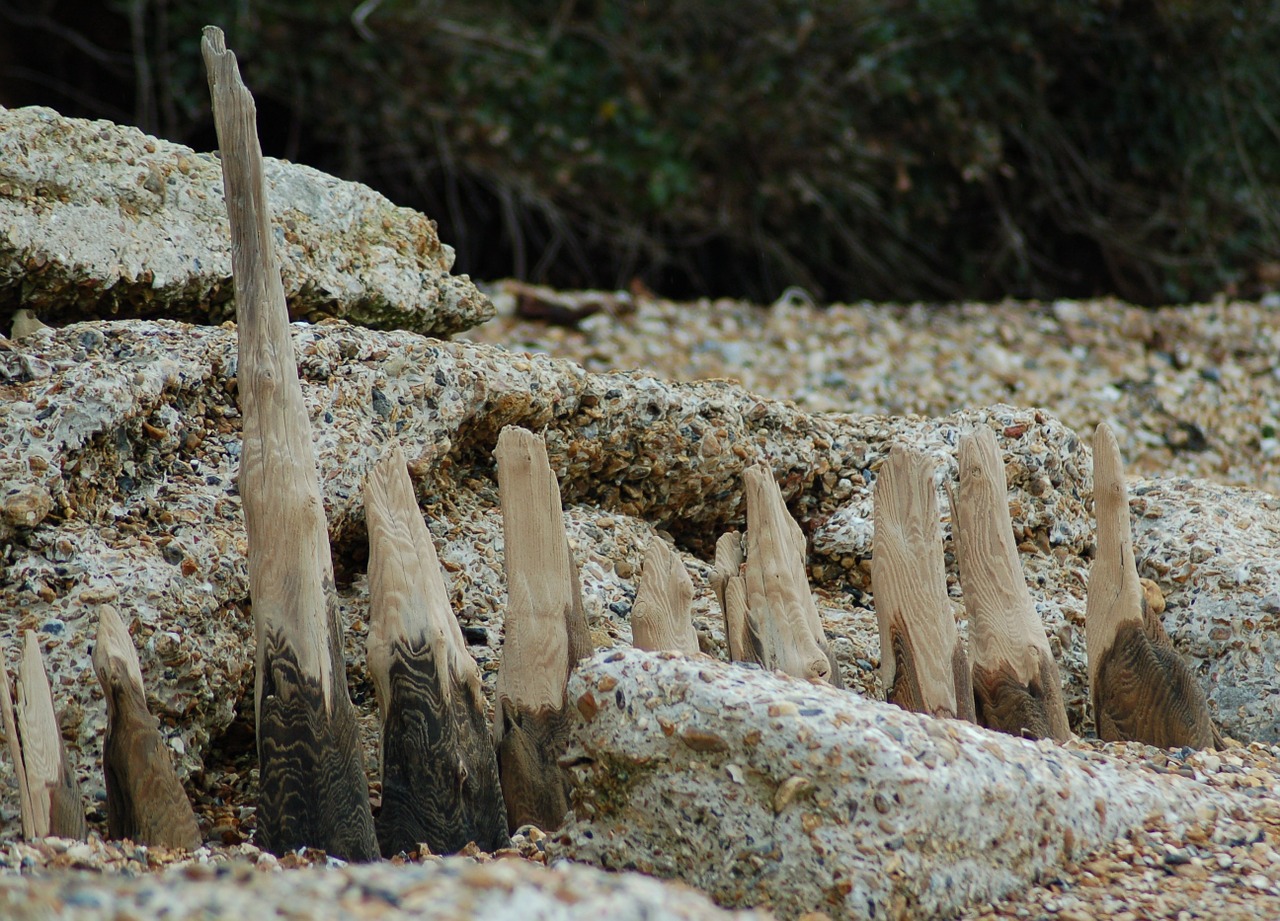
[783, 627]
[545, 634]
[923, 665]
[1140, 687]
[145, 800]
[49, 790]
[1016, 685]
[662, 616]
[312, 786]
[729, 585]
[439, 769]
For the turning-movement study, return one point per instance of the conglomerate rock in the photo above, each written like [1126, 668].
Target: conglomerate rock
[98, 219]
[119, 446]
[807, 798]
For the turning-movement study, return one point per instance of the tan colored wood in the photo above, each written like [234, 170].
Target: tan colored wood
[1141, 689]
[145, 800]
[439, 770]
[730, 588]
[57, 807]
[1015, 678]
[25, 323]
[662, 616]
[312, 787]
[782, 618]
[545, 634]
[922, 663]
[15, 752]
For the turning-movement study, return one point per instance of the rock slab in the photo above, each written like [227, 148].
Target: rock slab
[99, 219]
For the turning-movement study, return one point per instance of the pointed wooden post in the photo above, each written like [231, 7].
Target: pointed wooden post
[782, 619]
[145, 800]
[1141, 688]
[545, 635]
[923, 666]
[662, 616]
[439, 771]
[48, 791]
[1016, 685]
[730, 587]
[312, 786]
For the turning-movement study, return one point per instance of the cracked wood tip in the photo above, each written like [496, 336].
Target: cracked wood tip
[439, 770]
[312, 786]
[923, 666]
[1141, 688]
[730, 589]
[50, 791]
[145, 800]
[783, 627]
[1016, 685]
[545, 634]
[662, 616]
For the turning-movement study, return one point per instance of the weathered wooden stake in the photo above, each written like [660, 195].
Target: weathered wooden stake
[439, 771]
[782, 619]
[923, 666]
[145, 800]
[1016, 685]
[312, 786]
[730, 587]
[545, 635]
[1141, 688]
[48, 792]
[662, 616]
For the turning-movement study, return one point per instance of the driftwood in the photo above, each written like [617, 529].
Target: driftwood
[730, 588]
[1016, 685]
[48, 791]
[145, 800]
[312, 787]
[439, 773]
[661, 617]
[783, 631]
[545, 635]
[1140, 687]
[922, 662]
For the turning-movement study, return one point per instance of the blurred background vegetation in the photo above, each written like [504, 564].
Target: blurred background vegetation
[882, 149]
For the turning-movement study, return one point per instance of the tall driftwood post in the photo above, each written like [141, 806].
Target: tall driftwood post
[1016, 685]
[145, 800]
[1141, 688]
[312, 786]
[439, 770]
[545, 635]
[730, 586]
[48, 792]
[923, 666]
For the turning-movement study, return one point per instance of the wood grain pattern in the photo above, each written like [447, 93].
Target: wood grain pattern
[782, 618]
[923, 666]
[57, 808]
[439, 770]
[15, 752]
[662, 616]
[1141, 689]
[145, 800]
[312, 788]
[545, 630]
[1015, 678]
[730, 589]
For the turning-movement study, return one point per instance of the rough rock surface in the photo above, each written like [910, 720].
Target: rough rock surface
[119, 446]
[808, 798]
[98, 219]
[452, 888]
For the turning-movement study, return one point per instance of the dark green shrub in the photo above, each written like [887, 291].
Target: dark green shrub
[887, 150]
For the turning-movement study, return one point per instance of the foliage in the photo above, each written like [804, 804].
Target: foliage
[858, 148]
